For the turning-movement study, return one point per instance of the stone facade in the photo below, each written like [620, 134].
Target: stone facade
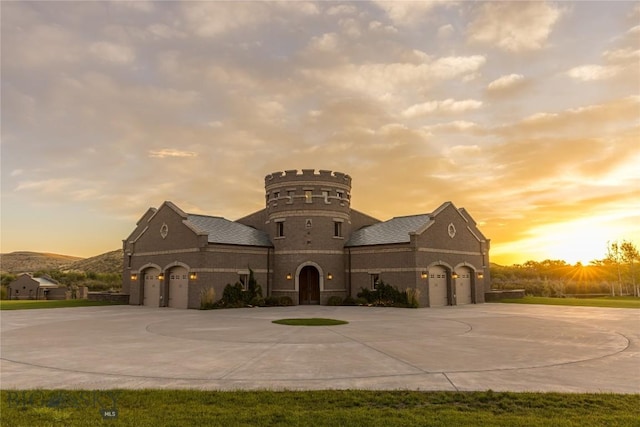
[307, 243]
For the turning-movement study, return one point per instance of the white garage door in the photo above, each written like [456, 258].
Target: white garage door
[151, 288]
[437, 287]
[178, 287]
[463, 286]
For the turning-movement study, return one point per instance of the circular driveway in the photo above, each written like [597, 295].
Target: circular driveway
[502, 347]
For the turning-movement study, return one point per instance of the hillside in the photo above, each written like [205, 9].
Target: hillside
[110, 262]
[23, 262]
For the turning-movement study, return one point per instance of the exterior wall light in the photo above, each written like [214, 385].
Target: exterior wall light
[193, 275]
[330, 276]
[161, 276]
[454, 275]
[134, 277]
[289, 276]
[424, 275]
[480, 275]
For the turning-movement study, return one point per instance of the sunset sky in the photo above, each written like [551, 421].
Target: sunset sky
[525, 114]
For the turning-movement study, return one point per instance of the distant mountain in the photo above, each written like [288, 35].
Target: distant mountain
[110, 262]
[26, 262]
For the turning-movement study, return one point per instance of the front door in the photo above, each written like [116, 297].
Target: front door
[309, 282]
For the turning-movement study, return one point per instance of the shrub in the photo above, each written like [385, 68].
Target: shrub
[349, 300]
[361, 301]
[207, 298]
[271, 301]
[385, 295]
[232, 296]
[286, 300]
[257, 301]
[334, 300]
[413, 297]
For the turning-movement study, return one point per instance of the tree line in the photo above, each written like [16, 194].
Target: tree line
[74, 279]
[616, 274]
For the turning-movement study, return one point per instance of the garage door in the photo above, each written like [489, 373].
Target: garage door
[463, 286]
[152, 288]
[178, 287]
[438, 287]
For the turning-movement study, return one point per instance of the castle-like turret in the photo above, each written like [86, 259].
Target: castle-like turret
[308, 218]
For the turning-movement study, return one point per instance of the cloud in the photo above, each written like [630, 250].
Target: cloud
[403, 13]
[445, 31]
[506, 82]
[170, 152]
[514, 26]
[379, 78]
[587, 73]
[111, 52]
[446, 106]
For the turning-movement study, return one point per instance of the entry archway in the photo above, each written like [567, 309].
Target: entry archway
[309, 285]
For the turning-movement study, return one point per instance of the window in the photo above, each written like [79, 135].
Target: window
[340, 194]
[290, 194]
[325, 196]
[375, 280]
[243, 278]
[308, 194]
[280, 229]
[337, 229]
[276, 194]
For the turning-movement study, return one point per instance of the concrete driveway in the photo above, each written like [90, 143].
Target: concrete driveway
[502, 347]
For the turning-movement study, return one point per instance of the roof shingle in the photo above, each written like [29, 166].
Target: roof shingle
[395, 230]
[223, 231]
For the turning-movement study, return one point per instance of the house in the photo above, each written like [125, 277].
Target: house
[308, 244]
[28, 287]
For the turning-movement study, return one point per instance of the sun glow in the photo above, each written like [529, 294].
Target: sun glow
[582, 240]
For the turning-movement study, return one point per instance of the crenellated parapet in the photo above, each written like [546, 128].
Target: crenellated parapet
[309, 175]
[307, 189]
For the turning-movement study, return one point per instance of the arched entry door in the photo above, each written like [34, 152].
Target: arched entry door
[309, 282]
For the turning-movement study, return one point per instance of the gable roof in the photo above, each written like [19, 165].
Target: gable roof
[223, 231]
[395, 230]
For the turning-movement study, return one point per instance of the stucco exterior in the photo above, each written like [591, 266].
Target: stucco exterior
[307, 243]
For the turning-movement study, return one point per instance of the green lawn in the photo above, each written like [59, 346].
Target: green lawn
[313, 321]
[315, 408]
[617, 302]
[30, 304]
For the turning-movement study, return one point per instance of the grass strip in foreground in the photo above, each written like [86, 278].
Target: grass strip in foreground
[33, 304]
[610, 302]
[314, 321]
[155, 408]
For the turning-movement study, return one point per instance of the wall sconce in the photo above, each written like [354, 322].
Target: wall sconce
[161, 276]
[134, 277]
[454, 275]
[193, 275]
[288, 276]
[330, 276]
[480, 275]
[424, 275]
